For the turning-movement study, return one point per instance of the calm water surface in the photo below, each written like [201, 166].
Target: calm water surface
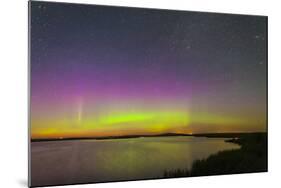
[82, 161]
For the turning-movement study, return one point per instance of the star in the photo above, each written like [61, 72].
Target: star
[257, 36]
[188, 47]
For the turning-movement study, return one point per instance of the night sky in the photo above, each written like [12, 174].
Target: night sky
[102, 71]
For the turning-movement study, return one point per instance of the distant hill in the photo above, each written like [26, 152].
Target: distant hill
[210, 135]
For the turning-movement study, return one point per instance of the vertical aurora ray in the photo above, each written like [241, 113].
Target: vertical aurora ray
[80, 112]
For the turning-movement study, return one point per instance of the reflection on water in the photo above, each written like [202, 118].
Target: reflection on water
[68, 162]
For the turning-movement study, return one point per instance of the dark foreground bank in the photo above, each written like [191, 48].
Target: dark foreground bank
[251, 157]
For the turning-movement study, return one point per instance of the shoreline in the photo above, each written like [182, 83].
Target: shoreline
[251, 157]
[230, 136]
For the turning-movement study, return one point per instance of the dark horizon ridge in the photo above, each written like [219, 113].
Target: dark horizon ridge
[226, 134]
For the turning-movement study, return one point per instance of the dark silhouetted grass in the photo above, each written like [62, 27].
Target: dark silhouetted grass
[251, 157]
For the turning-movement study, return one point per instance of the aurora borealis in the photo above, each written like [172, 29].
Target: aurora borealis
[107, 71]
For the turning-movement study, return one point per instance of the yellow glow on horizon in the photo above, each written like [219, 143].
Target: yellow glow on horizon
[131, 123]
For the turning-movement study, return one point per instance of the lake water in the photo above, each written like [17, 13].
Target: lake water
[82, 161]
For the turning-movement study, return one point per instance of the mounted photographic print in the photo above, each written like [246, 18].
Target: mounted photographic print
[119, 93]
